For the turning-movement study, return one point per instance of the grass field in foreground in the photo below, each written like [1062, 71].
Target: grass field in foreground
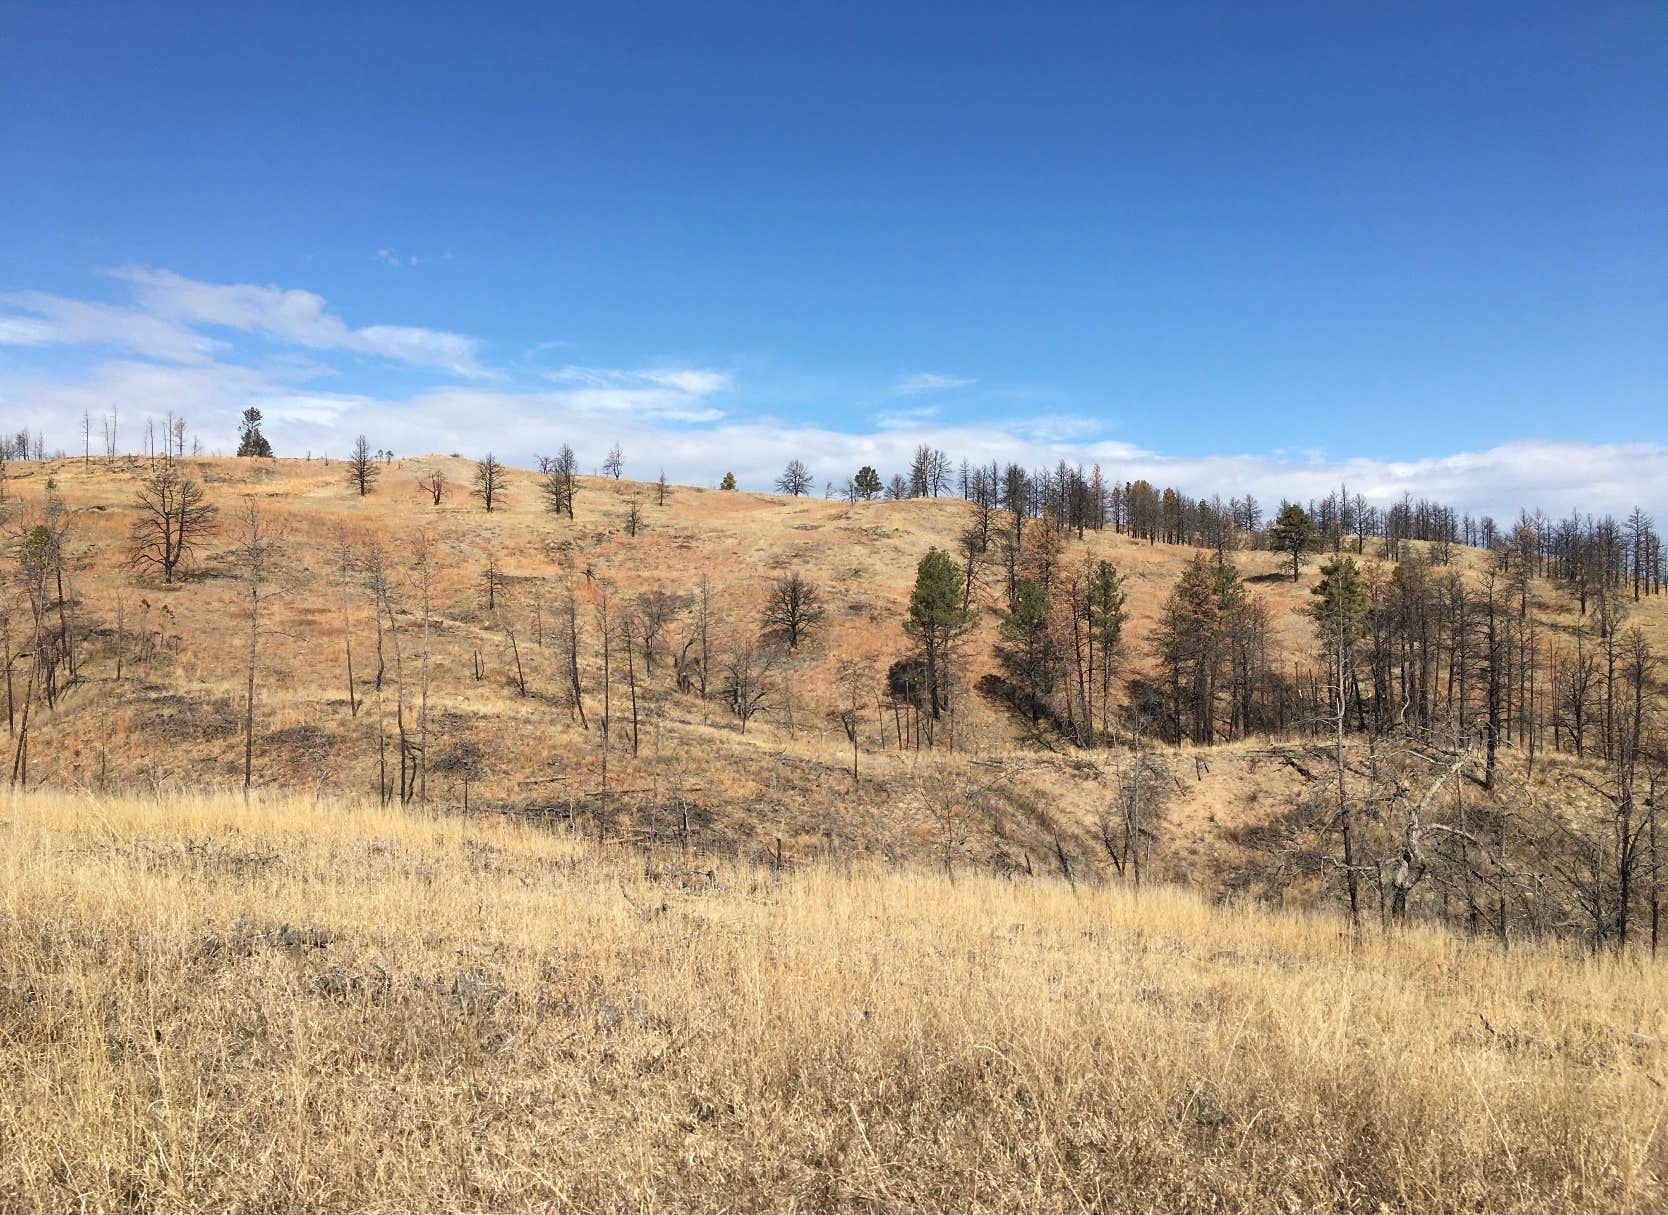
[295, 1005]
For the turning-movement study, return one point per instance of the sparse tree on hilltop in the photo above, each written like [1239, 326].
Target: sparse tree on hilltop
[867, 483]
[614, 464]
[795, 479]
[251, 442]
[362, 467]
[729, 481]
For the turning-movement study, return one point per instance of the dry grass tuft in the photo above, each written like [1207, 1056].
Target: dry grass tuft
[298, 1005]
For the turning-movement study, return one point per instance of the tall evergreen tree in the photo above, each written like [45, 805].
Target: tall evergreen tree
[936, 619]
[251, 442]
[1292, 533]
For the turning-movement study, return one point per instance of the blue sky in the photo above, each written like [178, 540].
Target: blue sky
[1268, 244]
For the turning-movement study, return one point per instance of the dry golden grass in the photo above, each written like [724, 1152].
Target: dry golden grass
[326, 1006]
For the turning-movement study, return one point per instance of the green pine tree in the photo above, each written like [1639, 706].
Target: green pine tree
[729, 481]
[868, 483]
[1293, 532]
[1340, 605]
[936, 619]
[1026, 626]
[251, 442]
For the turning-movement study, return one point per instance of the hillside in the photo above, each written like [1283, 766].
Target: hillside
[301, 1004]
[172, 721]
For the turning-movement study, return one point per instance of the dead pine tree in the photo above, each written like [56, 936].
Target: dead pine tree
[493, 582]
[852, 678]
[570, 649]
[362, 467]
[628, 636]
[490, 482]
[58, 524]
[381, 587]
[515, 655]
[344, 571]
[173, 519]
[605, 629]
[258, 549]
[422, 552]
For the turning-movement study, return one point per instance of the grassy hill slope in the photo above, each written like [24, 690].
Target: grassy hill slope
[173, 719]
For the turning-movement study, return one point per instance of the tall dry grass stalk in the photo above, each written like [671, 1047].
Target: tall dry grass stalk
[290, 1005]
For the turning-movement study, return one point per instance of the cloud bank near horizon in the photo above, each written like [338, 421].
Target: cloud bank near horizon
[182, 346]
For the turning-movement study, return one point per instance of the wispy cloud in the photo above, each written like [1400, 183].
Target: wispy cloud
[396, 260]
[36, 318]
[925, 381]
[170, 311]
[295, 316]
[670, 394]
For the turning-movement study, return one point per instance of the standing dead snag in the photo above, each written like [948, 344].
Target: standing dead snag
[344, 568]
[628, 634]
[852, 679]
[604, 627]
[362, 467]
[425, 586]
[558, 481]
[570, 649]
[493, 583]
[693, 668]
[380, 585]
[173, 519]
[257, 549]
[491, 481]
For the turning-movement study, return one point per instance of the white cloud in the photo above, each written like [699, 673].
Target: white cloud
[923, 382]
[170, 305]
[668, 394]
[903, 419]
[41, 319]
